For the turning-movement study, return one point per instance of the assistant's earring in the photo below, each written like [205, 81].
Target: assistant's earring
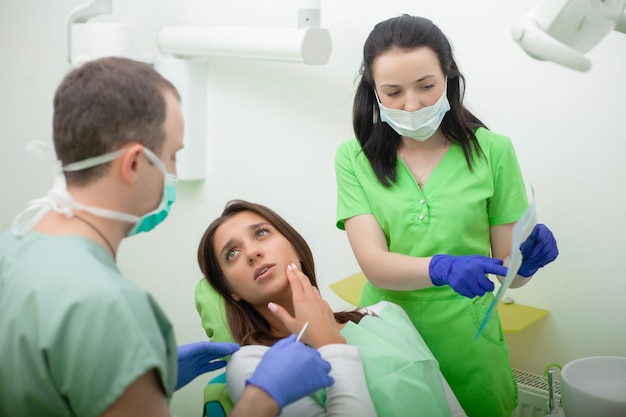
[235, 297]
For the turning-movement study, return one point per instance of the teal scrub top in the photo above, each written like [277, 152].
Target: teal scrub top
[451, 214]
[75, 333]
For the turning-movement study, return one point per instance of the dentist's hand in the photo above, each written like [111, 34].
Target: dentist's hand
[195, 359]
[290, 370]
[465, 274]
[537, 251]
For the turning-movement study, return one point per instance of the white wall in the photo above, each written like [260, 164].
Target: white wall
[274, 128]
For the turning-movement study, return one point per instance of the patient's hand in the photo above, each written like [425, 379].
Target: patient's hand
[309, 306]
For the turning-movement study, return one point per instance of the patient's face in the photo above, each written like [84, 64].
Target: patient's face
[254, 256]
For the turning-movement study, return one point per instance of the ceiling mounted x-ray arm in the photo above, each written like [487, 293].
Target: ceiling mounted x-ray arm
[83, 13]
[306, 43]
[562, 31]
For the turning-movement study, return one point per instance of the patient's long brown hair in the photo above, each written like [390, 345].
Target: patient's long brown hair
[246, 324]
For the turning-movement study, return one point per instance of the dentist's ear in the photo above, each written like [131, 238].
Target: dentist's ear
[129, 162]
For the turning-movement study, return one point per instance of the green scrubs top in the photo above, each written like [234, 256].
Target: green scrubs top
[452, 214]
[74, 333]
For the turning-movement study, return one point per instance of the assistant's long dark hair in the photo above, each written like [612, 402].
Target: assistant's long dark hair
[378, 140]
[247, 326]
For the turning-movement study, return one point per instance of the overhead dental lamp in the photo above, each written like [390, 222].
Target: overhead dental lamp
[562, 31]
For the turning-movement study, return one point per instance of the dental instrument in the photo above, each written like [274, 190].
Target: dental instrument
[306, 326]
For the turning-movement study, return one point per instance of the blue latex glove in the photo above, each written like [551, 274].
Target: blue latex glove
[465, 274]
[198, 358]
[537, 251]
[291, 370]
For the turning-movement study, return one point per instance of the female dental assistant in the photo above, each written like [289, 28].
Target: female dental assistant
[428, 197]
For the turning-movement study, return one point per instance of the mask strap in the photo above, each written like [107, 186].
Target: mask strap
[155, 160]
[377, 98]
[40, 204]
[109, 214]
[57, 199]
[101, 159]
[60, 201]
[95, 161]
[445, 93]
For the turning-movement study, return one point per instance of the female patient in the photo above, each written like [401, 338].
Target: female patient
[264, 271]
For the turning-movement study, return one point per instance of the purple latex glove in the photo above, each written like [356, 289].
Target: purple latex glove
[537, 251]
[291, 370]
[198, 358]
[465, 274]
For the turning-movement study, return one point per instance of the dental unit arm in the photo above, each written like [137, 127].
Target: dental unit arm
[562, 31]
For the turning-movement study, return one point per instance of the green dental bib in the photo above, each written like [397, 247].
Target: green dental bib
[402, 374]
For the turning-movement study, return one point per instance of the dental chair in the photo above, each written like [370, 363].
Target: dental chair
[217, 401]
[210, 306]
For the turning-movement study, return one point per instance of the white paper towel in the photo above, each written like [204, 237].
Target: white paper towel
[95, 40]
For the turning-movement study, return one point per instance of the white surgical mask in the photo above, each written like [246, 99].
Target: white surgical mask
[61, 201]
[419, 124]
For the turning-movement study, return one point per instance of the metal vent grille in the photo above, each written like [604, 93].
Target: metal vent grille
[535, 382]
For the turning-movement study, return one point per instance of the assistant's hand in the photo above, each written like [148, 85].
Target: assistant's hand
[198, 358]
[290, 370]
[465, 274]
[537, 251]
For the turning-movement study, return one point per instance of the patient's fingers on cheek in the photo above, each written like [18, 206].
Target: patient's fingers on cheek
[314, 294]
[304, 281]
[294, 281]
[283, 315]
